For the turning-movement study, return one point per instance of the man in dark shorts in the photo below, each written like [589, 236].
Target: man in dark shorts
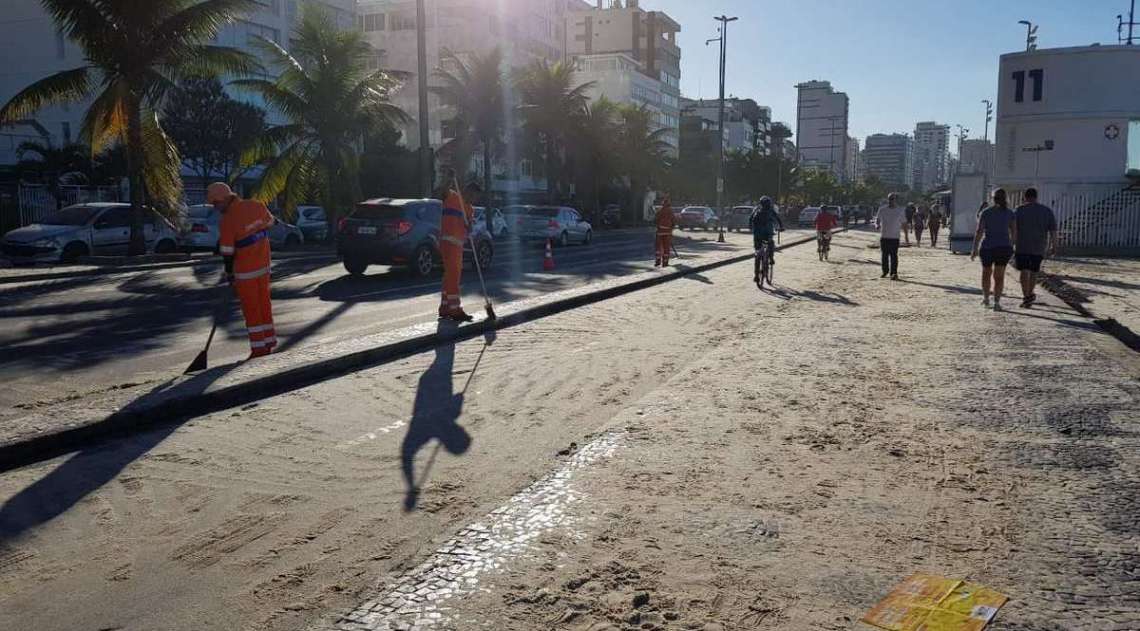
[1036, 238]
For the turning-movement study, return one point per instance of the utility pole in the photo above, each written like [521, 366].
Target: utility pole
[425, 142]
[1031, 35]
[986, 137]
[1120, 24]
[724, 20]
[962, 132]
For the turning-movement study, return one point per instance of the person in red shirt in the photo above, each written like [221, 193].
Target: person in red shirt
[458, 215]
[665, 224]
[825, 222]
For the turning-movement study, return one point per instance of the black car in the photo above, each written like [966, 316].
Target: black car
[402, 232]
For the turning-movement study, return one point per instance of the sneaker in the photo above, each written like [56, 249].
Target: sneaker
[997, 306]
[459, 315]
[756, 279]
[1025, 304]
[884, 275]
[1031, 299]
[985, 302]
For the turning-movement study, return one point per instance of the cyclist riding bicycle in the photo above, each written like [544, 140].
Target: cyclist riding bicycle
[825, 222]
[763, 221]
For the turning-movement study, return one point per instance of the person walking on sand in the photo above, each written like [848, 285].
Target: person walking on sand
[890, 222]
[1036, 238]
[919, 224]
[909, 222]
[994, 239]
[934, 224]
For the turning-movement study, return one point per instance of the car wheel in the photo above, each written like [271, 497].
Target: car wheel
[486, 255]
[291, 242]
[166, 246]
[564, 240]
[72, 252]
[589, 237]
[355, 266]
[423, 262]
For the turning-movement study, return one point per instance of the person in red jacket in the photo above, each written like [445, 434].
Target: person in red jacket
[244, 245]
[453, 225]
[665, 224]
[825, 222]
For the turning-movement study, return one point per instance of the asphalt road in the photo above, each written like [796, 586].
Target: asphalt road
[69, 336]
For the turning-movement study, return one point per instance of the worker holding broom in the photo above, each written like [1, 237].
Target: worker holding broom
[244, 245]
[665, 223]
[457, 218]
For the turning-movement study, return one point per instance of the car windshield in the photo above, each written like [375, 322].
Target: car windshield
[70, 216]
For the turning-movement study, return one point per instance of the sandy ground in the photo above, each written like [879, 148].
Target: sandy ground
[722, 458]
[1109, 284]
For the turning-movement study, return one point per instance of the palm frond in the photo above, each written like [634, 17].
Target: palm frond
[182, 32]
[69, 85]
[84, 21]
[163, 165]
[276, 175]
[211, 61]
[105, 122]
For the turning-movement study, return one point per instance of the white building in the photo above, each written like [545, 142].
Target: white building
[633, 56]
[821, 127]
[931, 155]
[1068, 123]
[29, 38]
[852, 159]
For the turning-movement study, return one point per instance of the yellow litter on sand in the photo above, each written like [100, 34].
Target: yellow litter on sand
[935, 603]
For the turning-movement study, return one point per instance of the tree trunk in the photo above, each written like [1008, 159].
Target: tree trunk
[135, 165]
[550, 171]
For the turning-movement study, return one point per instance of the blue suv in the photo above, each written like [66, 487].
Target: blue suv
[402, 232]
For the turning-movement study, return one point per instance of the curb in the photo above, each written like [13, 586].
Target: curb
[175, 409]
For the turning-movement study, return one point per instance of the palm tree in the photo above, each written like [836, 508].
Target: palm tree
[473, 87]
[330, 99]
[643, 149]
[594, 143]
[550, 104]
[135, 53]
[55, 165]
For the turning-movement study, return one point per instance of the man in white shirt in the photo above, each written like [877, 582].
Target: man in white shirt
[890, 221]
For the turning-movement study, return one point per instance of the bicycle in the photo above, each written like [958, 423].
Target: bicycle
[764, 267]
[824, 245]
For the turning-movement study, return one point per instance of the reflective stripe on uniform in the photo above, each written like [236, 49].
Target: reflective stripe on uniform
[258, 343]
[249, 240]
[452, 240]
[260, 328]
[454, 213]
[226, 249]
[251, 275]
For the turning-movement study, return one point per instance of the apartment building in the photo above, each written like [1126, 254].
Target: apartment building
[822, 117]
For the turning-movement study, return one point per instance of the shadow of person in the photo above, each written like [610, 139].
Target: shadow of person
[435, 416]
[92, 467]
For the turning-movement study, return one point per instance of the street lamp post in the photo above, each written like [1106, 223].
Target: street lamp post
[425, 143]
[962, 131]
[1030, 35]
[986, 137]
[724, 20]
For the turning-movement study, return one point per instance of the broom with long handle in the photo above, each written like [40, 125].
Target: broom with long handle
[475, 257]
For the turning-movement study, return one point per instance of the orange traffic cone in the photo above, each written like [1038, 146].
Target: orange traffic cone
[548, 261]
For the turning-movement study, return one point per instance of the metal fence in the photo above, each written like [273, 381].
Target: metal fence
[35, 201]
[1098, 221]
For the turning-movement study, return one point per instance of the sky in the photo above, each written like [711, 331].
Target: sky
[899, 61]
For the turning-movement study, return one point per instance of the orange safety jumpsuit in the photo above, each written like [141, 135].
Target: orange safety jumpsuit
[245, 237]
[665, 223]
[457, 215]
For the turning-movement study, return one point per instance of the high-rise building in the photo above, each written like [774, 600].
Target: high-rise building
[746, 124]
[852, 161]
[931, 155]
[524, 31]
[632, 56]
[890, 158]
[977, 156]
[821, 127]
[28, 34]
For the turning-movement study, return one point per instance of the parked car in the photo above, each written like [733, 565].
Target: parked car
[201, 231]
[702, 217]
[313, 222]
[402, 232]
[102, 229]
[498, 223]
[611, 216]
[836, 211]
[737, 218]
[808, 215]
[560, 224]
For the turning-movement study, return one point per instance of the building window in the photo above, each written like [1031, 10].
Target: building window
[526, 168]
[373, 22]
[403, 22]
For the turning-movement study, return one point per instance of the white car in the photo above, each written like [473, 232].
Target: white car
[201, 231]
[498, 223]
[100, 229]
[808, 215]
[313, 222]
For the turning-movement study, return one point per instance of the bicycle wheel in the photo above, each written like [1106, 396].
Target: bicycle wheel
[820, 248]
[768, 267]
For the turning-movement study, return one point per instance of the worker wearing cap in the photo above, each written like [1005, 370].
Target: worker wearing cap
[665, 223]
[457, 217]
[244, 245]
